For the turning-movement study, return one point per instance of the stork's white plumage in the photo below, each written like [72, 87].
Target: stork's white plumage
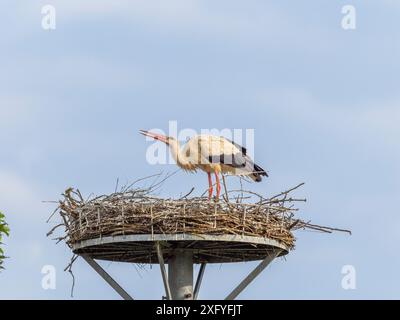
[213, 155]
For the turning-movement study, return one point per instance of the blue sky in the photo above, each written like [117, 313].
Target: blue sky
[323, 102]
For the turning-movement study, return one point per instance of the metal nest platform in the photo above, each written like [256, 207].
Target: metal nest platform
[180, 252]
[134, 226]
[204, 248]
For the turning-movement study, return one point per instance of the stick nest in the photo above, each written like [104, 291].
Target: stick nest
[134, 211]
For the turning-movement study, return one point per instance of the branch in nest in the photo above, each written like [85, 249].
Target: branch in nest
[138, 211]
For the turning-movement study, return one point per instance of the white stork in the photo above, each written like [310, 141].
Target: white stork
[212, 154]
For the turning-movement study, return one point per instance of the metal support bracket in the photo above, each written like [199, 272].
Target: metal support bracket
[252, 275]
[163, 271]
[106, 277]
[199, 280]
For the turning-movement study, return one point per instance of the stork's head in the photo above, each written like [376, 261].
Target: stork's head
[167, 140]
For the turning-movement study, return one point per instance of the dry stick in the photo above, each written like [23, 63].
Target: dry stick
[143, 212]
[226, 197]
[244, 220]
[241, 190]
[53, 229]
[69, 269]
[294, 224]
[142, 179]
[169, 175]
[286, 192]
[123, 221]
[323, 228]
[54, 212]
[188, 194]
[247, 191]
[116, 186]
[152, 223]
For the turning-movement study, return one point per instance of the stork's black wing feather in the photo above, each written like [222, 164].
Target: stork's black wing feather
[243, 149]
[233, 160]
[240, 161]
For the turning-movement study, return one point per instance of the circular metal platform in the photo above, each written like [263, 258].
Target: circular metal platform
[205, 248]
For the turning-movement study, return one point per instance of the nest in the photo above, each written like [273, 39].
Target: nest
[137, 211]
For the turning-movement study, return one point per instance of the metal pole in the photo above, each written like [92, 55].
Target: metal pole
[163, 271]
[199, 280]
[180, 274]
[252, 275]
[107, 277]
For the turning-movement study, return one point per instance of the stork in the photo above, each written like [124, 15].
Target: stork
[213, 155]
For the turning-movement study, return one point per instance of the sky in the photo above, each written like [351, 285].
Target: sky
[323, 102]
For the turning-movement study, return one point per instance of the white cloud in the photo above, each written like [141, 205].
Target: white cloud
[182, 17]
[17, 196]
[394, 3]
[76, 71]
[14, 110]
[375, 120]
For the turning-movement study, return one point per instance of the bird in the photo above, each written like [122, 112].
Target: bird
[212, 154]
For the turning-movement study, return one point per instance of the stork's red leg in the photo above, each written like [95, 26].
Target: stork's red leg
[210, 186]
[218, 185]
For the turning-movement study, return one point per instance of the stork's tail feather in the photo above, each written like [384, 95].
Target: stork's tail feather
[258, 173]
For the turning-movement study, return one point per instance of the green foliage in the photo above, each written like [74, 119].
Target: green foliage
[4, 230]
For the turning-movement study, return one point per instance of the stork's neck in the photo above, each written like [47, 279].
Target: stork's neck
[179, 156]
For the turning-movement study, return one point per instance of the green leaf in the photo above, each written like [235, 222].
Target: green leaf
[4, 229]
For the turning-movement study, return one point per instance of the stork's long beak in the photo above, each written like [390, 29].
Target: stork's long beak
[155, 136]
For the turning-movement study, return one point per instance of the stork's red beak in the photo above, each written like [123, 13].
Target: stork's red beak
[155, 136]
